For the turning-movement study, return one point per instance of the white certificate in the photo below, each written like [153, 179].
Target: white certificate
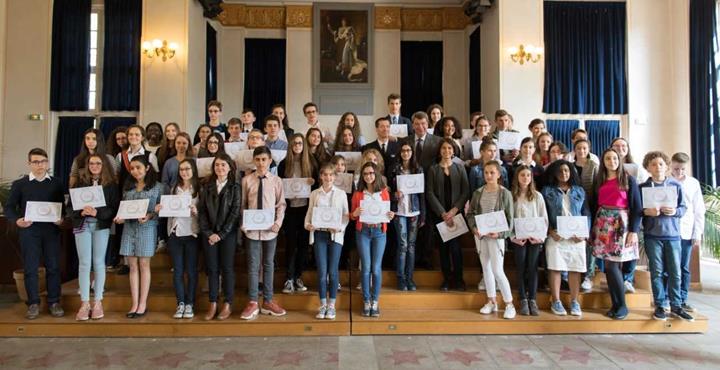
[448, 233]
[43, 211]
[431, 131]
[467, 133]
[352, 160]
[88, 196]
[493, 222]
[233, 149]
[244, 160]
[327, 218]
[278, 155]
[530, 227]
[569, 226]
[204, 166]
[258, 219]
[175, 205]
[508, 140]
[133, 209]
[374, 211]
[411, 184]
[344, 182]
[296, 188]
[659, 196]
[476, 148]
[398, 130]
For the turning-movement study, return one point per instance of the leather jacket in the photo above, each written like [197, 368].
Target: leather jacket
[219, 213]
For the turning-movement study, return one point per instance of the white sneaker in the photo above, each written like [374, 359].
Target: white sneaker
[330, 314]
[629, 288]
[289, 288]
[322, 312]
[359, 286]
[587, 284]
[481, 284]
[188, 313]
[509, 311]
[179, 311]
[489, 308]
[160, 246]
[299, 285]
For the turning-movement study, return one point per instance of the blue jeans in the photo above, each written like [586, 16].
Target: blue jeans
[260, 252]
[371, 247]
[91, 246]
[686, 248]
[184, 253]
[327, 257]
[664, 254]
[628, 270]
[406, 235]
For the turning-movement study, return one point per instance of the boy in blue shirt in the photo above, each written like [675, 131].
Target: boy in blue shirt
[662, 239]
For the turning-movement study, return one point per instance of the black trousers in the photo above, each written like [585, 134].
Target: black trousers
[220, 258]
[526, 260]
[41, 242]
[297, 240]
[616, 283]
[450, 251]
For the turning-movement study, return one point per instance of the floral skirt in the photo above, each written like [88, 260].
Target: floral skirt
[608, 236]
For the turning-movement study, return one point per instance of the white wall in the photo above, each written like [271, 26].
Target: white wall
[490, 61]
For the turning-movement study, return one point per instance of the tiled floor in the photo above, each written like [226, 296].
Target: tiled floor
[385, 352]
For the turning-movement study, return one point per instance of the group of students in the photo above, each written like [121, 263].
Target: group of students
[462, 180]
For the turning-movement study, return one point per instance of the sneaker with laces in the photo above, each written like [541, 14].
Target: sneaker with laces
[489, 308]
[97, 311]
[299, 285]
[587, 284]
[481, 284]
[289, 288]
[534, 311]
[179, 311]
[366, 309]
[359, 286]
[687, 307]
[629, 288]
[188, 313]
[322, 312]
[558, 309]
[375, 309]
[33, 311]
[659, 314]
[575, 309]
[56, 310]
[682, 314]
[524, 307]
[83, 313]
[509, 311]
[330, 313]
[272, 308]
[251, 311]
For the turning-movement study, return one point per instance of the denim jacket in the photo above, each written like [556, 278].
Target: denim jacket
[477, 177]
[554, 199]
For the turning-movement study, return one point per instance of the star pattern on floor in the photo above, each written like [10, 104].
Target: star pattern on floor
[6, 358]
[463, 357]
[568, 354]
[633, 355]
[405, 357]
[694, 356]
[169, 359]
[49, 359]
[232, 358]
[289, 358]
[516, 356]
[332, 358]
[103, 360]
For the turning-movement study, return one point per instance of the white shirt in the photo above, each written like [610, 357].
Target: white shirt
[394, 119]
[184, 226]
[692, 223]
[404, 205]
[32, 177]
[151, 158]
[220, 185]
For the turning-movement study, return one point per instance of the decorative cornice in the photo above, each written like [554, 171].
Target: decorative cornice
[299, 16]
[455, 19]
[233, 15]
[417, 19]
[265, 17]
[388, 18]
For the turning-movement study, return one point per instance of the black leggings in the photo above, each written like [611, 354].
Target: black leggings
[616, 287]
[296, 241]
[526, 260]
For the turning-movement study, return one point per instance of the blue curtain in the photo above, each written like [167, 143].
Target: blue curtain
[585, 58]
[68, 143]
[475, 60]
[601, 133]
[704, 110]
[70, 66]
[121, 60]
[108, 124]
[210, 66]
[561, 130]
[264, 75]
[421, 65]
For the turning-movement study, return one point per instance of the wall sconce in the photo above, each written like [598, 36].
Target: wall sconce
[522, 53]
[159, 48]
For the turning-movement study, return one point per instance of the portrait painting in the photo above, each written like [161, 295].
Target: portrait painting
[344, 45]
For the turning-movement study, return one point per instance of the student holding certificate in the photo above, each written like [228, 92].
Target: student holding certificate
[38, 240]
[139, 236]
[370, 238]
[327, 242]
[492, 197]
[618, 211]
[447, 190]
[410, 215]
[528, 202]
[91, 226]
[564, 197]
[218, 215]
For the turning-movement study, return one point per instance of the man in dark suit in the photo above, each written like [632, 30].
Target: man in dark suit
[394, 116]
[388, 148]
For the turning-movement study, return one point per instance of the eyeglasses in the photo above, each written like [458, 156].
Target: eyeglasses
[37, 163]
[369, 173]
[310, 111]
[406, 150]
[298, 143]
[185, 169]
[213, 142]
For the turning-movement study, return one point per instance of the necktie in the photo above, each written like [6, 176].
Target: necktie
[395, 120]
[418, 149]
[260, 193]
[383, 148]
